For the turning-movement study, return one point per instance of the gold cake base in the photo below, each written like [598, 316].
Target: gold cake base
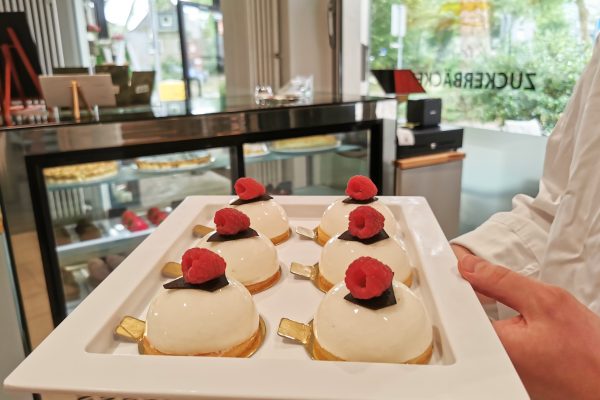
[281, 238]
[242, 350]
[319, 353]
[322, 237]
[264, 285]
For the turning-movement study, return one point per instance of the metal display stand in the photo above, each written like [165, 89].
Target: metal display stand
[71, 90]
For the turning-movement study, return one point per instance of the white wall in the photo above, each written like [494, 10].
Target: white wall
[239, 65]
[355, 35]
[304, 42]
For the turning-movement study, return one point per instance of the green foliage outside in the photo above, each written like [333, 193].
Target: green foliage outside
[556, 52]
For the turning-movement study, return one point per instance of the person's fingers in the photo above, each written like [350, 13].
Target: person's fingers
[500, 283]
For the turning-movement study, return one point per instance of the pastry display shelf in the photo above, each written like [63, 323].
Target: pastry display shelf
[115, 239]
[130, 172]
[273, 155]
[468, 362]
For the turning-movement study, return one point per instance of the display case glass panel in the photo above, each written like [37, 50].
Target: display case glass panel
[101, 211]
[309, 165]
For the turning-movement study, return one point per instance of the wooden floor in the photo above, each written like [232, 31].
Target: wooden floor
[33, 287]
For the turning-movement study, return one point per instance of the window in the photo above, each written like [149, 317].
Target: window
[500, 64]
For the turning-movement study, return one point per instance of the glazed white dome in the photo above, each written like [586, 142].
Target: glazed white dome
[266, 217]
[192, 321]
[250, 260]
[337, 254]
[351, 332]
[335, 218]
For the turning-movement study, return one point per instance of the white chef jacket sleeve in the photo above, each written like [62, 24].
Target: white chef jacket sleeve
[512, 239]
[518, 239]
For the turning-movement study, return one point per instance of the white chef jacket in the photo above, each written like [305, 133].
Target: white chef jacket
[555, 236]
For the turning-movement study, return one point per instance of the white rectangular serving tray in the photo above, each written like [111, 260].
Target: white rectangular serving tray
[82, 358]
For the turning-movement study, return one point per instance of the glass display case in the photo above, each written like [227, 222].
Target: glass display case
[84, 195]
[101, 211]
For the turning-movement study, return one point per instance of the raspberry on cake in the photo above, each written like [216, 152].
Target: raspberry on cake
[361, 188]
[361, 191]
[266, 216]
[367, 277]
[251, 257]
[365, 222]
[230, 221]
[248, 188]
[201, 265]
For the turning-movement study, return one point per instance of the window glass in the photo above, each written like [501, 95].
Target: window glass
[500, 64]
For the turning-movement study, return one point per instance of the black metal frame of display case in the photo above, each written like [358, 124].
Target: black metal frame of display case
[39, 194]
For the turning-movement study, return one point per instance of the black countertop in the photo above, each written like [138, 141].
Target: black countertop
[195, 108]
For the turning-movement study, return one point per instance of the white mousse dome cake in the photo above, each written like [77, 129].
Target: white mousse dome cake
[266, 215]
[372, 329]
[251, 257]
[202, 313]
[365, 236]
[361, 191]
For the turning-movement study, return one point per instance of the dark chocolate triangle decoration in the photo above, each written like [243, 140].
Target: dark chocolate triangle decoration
[217, 237]
[382, 235]
[386, 299]
[239, 202]
[350, 200]
[208, 286]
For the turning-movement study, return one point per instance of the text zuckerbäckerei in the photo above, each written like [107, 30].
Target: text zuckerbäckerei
[478, 80]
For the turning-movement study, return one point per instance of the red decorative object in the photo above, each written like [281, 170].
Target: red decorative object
[365, 222]
[132, 222]
[156, 216]
[398, 81]
[248, 188]
[201, 265]
[361, 188]
[230, 221]
[367, 278]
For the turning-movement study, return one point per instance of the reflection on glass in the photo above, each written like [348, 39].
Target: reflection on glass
[497, 64]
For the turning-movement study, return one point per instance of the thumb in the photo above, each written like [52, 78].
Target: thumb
[499, 283]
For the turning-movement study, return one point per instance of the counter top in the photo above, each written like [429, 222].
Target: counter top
[194, 108]
[238, 121]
